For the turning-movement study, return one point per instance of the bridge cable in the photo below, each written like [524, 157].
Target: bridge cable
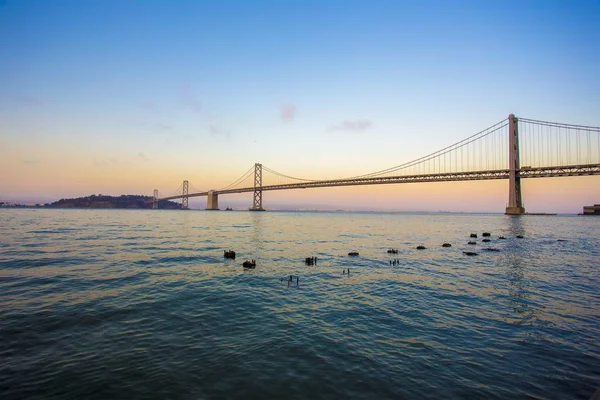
[194, 189]
[177, 191]
[446, 149]
[428, 158]
[240, 179]
[557, 124]
[287, 176]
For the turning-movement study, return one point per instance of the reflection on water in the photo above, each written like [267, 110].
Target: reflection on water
[142, 304]
[516, 224]
[518, 283]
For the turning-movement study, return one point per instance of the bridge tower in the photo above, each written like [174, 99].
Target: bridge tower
[257, 206]
[155, 199]
[515, 203]
[184, 199]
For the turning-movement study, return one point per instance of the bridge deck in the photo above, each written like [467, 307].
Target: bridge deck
[537, 172]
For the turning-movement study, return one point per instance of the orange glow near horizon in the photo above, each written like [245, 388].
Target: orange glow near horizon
[46, 178]
[54, 179]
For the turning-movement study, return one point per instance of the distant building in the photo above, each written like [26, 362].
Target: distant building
[591, 210]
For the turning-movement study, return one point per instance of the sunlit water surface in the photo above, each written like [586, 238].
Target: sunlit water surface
[114, 304]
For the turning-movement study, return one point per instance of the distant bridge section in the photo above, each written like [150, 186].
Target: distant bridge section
[547, 149]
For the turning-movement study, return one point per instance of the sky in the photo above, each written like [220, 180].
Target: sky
[124, 97]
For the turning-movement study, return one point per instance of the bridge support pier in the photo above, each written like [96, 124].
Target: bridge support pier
[515, 203]
[257, 204]
[212, 201]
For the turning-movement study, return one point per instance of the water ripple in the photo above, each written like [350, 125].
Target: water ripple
[137, 304]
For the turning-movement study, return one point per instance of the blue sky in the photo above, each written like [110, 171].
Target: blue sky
[128, 96]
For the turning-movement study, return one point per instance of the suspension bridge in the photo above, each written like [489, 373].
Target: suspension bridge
[513, 149]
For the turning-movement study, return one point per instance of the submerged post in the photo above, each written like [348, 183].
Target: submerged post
[184, 199]
[515, 203]
[257, 206]
[155, 199]
[212, 200]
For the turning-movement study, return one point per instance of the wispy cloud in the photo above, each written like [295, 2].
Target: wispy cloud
[161, 129]
[148, 106]
[216, 128]
[30, 161]
[27, 100]
[141, 156]
[288, 112]
[106, 162]
[189, 99]
[358, 125]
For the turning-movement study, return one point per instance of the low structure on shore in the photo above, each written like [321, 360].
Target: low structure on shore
[591, 210]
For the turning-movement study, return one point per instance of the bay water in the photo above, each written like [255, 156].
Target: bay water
[141, 304]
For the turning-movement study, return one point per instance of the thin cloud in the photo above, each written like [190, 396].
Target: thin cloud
[216, 128]
[161, 129]
[27, 100]
[148, 106]
[142, 156]
[358, 125]
[189, 99]
[288, 112]
[106, 162]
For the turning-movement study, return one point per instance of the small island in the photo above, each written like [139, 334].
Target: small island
[130, 201]
[104, 201]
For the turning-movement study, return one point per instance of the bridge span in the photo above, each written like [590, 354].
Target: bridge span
[551, 150]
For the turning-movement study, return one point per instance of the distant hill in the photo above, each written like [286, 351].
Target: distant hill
[102, 201]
